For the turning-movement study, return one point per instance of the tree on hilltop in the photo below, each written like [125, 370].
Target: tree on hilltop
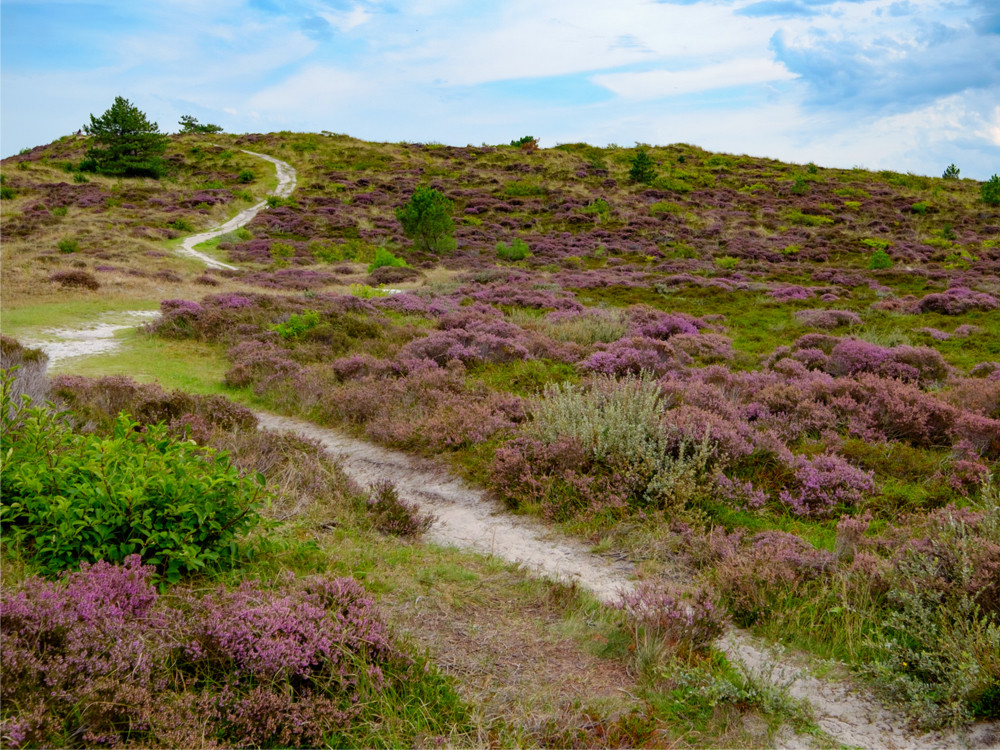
[190, 124]
[126, 143]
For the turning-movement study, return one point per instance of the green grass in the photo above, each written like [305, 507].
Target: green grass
[190, 366]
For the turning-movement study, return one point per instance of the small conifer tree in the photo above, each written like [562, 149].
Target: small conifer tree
[643, 170]
[426, 219]
[126, 143]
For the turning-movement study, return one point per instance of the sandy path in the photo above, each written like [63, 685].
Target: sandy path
[286, 184]
[97, 337]
[465, 517]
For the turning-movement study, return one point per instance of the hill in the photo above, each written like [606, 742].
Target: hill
[777, 383]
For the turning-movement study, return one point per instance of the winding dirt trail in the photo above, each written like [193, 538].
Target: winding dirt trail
[286, 184]
[465, 517]
[98, 337]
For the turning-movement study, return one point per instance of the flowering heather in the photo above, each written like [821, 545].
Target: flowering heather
[852, 356]
[784, 294]
[284, 665]
[957, 301]
[682, 619]
[824, 483]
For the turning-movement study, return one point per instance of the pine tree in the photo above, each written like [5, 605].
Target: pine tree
[126, 143]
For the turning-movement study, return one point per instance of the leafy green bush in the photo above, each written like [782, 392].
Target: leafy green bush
[642, 169]
[246, 175]
[182, 225]
[7, 193]
[384, 258]
[879, 259]
[990, 191]
[80, 177]
[726, 262]
[517, 250]
[298, 325]
[951, 172]
[426, 219]
[68, 245]
[69, 498]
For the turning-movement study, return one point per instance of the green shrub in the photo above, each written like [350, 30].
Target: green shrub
[80, 177]
[7, 193]
[281, 253]
[642, 169]
[525, 140]
[800, 186]
[426, 219]
[990, 191]
[517, 250]
[810, 220]
[246, 176]
[951, 172]
[68, 245]
[726, 262]
[597, 207]
[384, 258]
[298, 325]
[69, 498]
[879, 259]
[919, 208]
[182, 225]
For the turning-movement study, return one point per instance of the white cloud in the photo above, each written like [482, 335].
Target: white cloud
[315, 90]
[655, 84]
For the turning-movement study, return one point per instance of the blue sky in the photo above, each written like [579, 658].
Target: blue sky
[907, 85]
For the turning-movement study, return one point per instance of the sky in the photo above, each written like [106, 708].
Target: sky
[905, 85]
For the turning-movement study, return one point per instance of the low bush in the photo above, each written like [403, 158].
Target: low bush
[685, 620]
[385, 259]
[517, 250]
[76, 278]
[70, 498]
[392, 515]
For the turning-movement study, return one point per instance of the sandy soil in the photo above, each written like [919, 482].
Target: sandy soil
[97, 337]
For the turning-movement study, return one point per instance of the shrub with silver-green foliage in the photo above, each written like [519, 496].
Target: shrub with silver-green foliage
[623, 425]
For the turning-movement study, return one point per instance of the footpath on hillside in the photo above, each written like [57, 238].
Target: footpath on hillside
[465, 517]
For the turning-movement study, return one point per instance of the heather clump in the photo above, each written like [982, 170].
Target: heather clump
[938, 650]
[683, 621]
[294, 664]
[852, 356]
[824, 484]
[393, 515]
[770, 567]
